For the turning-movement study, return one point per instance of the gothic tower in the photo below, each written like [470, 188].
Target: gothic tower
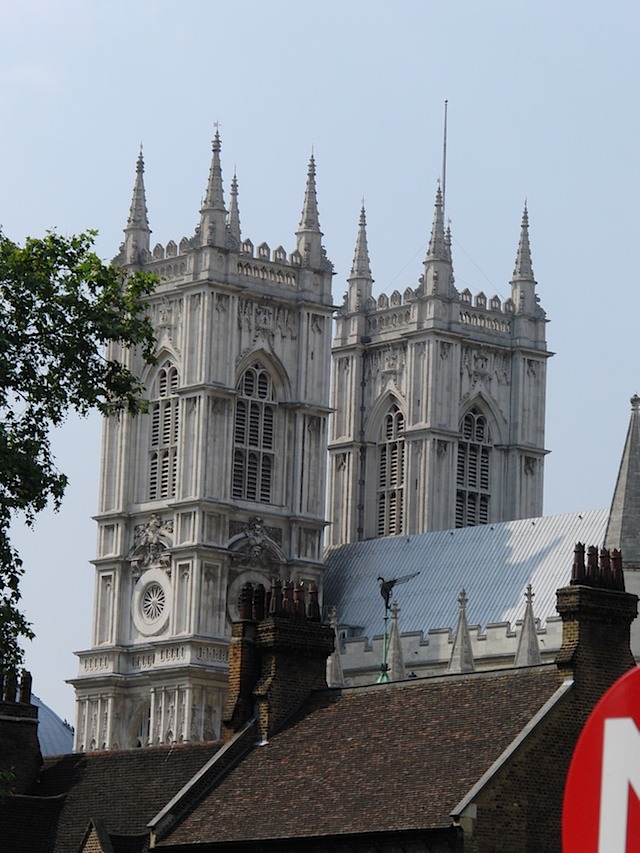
[221, 482]
[438, 399]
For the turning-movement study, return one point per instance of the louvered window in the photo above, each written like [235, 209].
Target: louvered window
[254, 437]
[165, 431]
[390, 502]
[473, 472]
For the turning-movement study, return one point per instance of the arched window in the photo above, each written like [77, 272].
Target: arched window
[473, 478]
[391, 473]
[254, 437]
[165, 410]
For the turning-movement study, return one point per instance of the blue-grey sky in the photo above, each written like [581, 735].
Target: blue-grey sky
[543, 105]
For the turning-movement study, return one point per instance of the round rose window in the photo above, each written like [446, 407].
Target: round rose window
[153, 602]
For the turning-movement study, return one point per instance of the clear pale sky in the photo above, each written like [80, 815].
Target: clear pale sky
[543, 105]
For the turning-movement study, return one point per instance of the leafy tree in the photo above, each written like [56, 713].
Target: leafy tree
[61, 312]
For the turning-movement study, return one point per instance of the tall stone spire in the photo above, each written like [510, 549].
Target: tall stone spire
[395, 658]
[438, 270]
[523, 270]
[528, 653]
[233, 220]
[213, 215]
[461, 659]
[623, 527]
[309, 236]
[523, 283]
[360, 280]
[137, 231]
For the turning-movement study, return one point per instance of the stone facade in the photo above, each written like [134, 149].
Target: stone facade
[438, 398]
[221, 482]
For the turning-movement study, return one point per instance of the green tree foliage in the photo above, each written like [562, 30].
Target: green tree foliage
[61, 309]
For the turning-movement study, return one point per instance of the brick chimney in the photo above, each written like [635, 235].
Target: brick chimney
[19, 748]
[278, 655]
[596, 614]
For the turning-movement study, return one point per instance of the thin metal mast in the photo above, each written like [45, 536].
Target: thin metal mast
[444, 161]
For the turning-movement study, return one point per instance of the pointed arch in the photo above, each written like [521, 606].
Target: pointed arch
[257, 431]
[164, 411]
[272, 365]
[495, 419]
[474, 464]
[387, 431]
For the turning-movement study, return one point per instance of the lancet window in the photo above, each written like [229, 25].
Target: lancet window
[390, 497]
[254, 436]
[473, 476]
[165, 427]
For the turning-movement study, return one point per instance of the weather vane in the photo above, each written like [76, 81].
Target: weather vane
[386, 586]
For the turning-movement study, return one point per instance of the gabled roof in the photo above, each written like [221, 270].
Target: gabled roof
[122, 789]
[493, 562]
[371, 759]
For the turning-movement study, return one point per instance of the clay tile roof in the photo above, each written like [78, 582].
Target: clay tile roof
[125, 789]
[372, 759]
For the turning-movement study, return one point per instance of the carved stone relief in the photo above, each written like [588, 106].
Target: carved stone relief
[151, 542]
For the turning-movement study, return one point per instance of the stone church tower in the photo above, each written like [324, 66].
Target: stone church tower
[438, 398]
[221, 482]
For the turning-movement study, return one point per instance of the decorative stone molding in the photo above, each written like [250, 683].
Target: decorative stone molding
[150, 545]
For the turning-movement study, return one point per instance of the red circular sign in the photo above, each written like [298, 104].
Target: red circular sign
[601, 810]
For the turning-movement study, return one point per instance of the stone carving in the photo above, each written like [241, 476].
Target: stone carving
[151, 541]
[257, 549]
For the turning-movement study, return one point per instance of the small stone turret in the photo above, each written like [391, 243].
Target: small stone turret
[277, 655]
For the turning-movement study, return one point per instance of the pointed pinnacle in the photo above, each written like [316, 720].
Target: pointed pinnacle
[361, 268]
[309, 220]
[138, 211]
[523, 270]
[437, 244]
[234, 212]
[214, 198]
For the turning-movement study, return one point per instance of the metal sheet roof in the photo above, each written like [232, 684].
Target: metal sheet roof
[494, 563]
[55, 736]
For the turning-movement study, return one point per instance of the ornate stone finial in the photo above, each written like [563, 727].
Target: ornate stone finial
[213, 214]
[335, 674]
[233, 219]
[309, 236]
[463, 600]
[360, 267]
[437, 248]
[461, 659]
[528, 652]
[523, 270]
[137, 232]
[395, 657]
[635, 403]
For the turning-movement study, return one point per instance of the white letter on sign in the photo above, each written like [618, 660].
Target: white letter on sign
[620, 768]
